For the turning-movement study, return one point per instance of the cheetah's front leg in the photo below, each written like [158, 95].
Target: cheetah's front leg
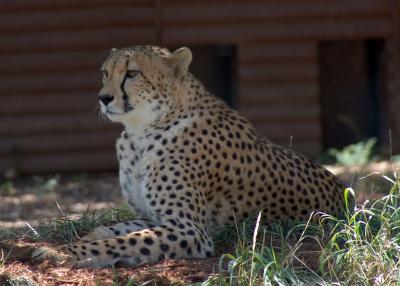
[58, 254]
[183, 240]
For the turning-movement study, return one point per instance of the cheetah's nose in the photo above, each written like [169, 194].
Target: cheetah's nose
[105, 99]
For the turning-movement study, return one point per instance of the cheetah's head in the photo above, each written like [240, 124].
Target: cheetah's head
[140, 84]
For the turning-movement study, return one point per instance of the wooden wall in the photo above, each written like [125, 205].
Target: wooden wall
[50, 52]
[278, 69]
[279, 92]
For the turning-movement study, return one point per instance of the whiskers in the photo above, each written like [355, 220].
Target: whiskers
[104, 116]
[100, 114]
[127, 107]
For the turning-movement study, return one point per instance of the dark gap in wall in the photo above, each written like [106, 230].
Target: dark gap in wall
[351, 87]
[215, 67]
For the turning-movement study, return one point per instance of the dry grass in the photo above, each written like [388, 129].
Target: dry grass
[33, 200]
[18, 264]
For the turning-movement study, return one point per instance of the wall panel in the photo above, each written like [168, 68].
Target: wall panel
[51, 51]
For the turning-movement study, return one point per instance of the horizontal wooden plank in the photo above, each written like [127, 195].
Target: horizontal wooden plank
[301, 136]
[214, 12]
[282, 131]
[67, 141]
[52, 61]
[278, 72]
[65, 19]
[324, 29]
[50, 5]
[277, 51]
[103, 38]
[265, 93]
[62, 80]
[59, 102]
[61, 162]
[56, 123]
[281, 112]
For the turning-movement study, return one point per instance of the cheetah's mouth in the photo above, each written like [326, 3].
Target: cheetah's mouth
[110, 112]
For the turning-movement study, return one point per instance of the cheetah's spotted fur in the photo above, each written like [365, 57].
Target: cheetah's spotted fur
[189, 164]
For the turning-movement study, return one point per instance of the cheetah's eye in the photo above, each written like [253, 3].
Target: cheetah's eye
[132, 73]
[104, 73]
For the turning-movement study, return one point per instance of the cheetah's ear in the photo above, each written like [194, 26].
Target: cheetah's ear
[113, 50]
[180, 60]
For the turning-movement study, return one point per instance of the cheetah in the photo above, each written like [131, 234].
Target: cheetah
[188, 165]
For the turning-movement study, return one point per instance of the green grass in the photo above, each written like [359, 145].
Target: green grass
[357, 154]
[65, 229]
[7, 188]
[266, 255]
[363, 248]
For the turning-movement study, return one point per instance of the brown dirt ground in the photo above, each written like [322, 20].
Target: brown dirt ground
[171, 272]
[178, 272]
[34, 200]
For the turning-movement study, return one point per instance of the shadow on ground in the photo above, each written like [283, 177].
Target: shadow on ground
[36, 199]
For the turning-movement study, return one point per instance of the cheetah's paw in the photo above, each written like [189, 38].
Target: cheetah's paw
[46, 253]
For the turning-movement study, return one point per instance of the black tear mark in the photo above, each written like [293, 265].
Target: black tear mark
[127, 106]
